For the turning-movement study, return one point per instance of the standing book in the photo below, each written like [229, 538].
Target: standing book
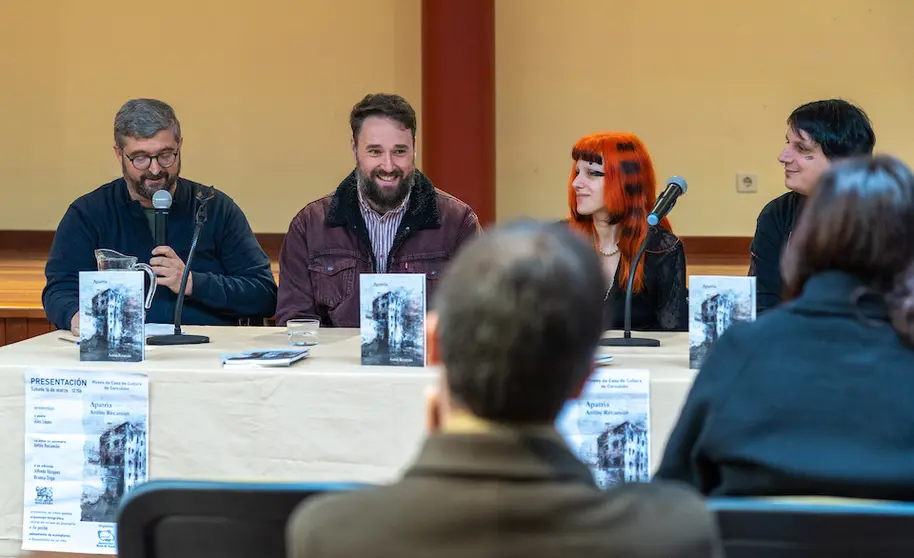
[112, 316]
[716, 303]
[392, 319]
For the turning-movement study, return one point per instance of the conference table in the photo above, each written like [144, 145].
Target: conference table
[325, 418]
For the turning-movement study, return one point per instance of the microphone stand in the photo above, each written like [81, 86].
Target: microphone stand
[179, 338]
[627, 340]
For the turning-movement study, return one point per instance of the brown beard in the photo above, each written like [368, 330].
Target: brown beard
[380, 199]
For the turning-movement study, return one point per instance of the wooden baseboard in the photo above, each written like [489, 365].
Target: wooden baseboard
[13, 330]
[728, 248]
[26, 242]
[717, 247]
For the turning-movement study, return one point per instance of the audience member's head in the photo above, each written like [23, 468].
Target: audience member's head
[516, 323]
[860, 220]
[819, 134]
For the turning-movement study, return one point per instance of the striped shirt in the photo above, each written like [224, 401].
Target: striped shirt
[381, 229]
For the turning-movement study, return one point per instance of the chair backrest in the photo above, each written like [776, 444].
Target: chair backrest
[177, 519]
[812, 528]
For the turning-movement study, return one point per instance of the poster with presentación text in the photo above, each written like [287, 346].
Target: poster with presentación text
[86, 447]
[608, 426]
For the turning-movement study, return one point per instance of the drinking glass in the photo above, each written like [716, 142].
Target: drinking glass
[303, 332]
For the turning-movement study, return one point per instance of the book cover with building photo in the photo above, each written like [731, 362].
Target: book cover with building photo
[112, 316]
[608, 426]
[392, 319]
[716, 303]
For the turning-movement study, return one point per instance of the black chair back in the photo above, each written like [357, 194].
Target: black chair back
[187, 519]
[774, 528]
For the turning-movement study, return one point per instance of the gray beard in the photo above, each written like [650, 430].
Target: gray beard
[146, 192]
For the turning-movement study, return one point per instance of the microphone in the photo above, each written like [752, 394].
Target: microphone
[203, 195]
[161, 202]
[675, 187]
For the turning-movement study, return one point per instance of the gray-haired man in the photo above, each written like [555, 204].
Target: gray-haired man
[231, 275]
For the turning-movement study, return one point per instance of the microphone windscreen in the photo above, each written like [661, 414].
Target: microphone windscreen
[161, 199]
[678, 181]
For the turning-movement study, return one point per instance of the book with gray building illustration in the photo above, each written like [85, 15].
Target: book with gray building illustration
[716, 303]
[392, 319]
[112, 316]
[608, 426]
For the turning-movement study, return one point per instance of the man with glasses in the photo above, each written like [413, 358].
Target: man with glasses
[231, 277]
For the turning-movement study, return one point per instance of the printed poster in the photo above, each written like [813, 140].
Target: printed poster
[608, 426]
[86, 447]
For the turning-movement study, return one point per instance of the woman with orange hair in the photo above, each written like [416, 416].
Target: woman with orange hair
[611, 191]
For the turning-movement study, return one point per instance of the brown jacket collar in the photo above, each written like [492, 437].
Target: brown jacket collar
[421, 213]
[500, 454]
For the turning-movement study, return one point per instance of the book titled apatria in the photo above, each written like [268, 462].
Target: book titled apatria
[112, 316]
[392, 319]
[716, 303]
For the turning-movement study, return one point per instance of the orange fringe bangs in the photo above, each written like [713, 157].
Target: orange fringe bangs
[629, 193]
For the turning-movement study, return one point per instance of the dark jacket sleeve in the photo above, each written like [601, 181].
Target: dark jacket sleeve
[673, 298]
[765, 262]
[72, 251]
[684, 458]
[296, 297]
[247, 289]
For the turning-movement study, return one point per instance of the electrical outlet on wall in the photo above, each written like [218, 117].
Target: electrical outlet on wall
[747, 183]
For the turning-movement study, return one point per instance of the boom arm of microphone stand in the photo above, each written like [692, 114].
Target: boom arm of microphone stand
[627, 340]
[179, 338]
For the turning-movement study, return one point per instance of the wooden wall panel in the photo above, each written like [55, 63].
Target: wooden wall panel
[13, 330]
[17, 329]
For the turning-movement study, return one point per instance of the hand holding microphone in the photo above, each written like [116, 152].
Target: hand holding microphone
[167, 265]
[177, 276]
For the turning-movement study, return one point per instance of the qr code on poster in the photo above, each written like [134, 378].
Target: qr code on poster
[44, 495]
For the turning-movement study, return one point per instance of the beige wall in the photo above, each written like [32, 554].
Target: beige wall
[263, 91]
[707, 84]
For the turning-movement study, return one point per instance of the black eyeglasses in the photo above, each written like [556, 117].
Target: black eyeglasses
[142, 162]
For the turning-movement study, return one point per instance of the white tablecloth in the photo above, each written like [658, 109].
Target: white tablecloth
[326, 418]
